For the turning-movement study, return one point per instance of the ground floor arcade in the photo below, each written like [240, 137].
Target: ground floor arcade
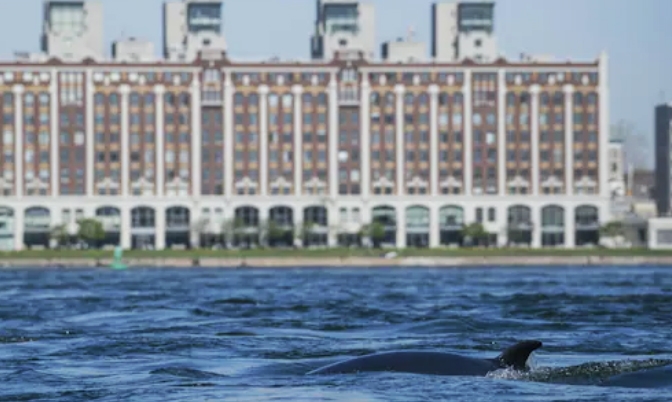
[162, 223]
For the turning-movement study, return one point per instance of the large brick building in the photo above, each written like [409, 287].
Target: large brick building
[154, 149]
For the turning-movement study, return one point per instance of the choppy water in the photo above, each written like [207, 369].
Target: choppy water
[251, 335]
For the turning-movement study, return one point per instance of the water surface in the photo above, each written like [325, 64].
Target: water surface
[251, 335]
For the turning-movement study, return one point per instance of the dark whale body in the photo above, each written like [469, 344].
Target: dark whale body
[437, 363]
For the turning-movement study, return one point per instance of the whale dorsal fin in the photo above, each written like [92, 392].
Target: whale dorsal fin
[516, 356]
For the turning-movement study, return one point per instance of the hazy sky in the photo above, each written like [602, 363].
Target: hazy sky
[637, 35]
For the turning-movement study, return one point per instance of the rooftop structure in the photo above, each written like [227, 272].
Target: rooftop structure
[191, 26]
[463, 30]
[343, 25]
[403, 50]
[73, 30]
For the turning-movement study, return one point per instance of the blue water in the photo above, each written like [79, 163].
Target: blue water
[251, 335]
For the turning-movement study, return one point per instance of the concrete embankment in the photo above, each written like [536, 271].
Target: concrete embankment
[335, 262]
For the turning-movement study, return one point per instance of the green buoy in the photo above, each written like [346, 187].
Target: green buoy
[117, 262]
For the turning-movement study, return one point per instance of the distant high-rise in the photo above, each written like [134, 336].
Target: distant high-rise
[73, 30]
[192, 26]
[663, 127]
[343, 25]
[463, 30]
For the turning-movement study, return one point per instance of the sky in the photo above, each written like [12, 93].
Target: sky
[636, 34]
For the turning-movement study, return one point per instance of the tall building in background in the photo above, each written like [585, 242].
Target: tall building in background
[73, 30]
[343, 25]
[663, 145]
[192, 26]
[462, 30]
[156, 150]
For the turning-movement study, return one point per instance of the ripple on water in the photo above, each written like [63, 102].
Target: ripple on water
[198, 334]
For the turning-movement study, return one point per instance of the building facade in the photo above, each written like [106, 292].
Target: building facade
[153, 150]
[663, 172]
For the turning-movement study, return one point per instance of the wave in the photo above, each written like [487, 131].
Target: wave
[648, 373]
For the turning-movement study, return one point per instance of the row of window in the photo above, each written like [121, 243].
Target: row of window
[77, 138]
[286, 100]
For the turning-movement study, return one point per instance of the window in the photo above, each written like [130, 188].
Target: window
[479, 215]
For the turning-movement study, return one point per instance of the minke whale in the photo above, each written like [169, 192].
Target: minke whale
[437, 363]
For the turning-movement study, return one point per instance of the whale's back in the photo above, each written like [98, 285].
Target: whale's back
[418, 362]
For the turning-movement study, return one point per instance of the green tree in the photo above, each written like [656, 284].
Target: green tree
[274, 232]
[60, 234]
[474, 233]
[376, 232]
[231, 229]
[612, 229]
[91, 231]
[304, 231]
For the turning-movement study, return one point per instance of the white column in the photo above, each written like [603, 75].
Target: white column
[501, 131]
[399, 136]
[534, 137]
[54, 134]
[468, 143]
[196, 137]
[125, 227]
[333, 137]
[332, 221]
[401, 226]
[434, 144]
[297, 161]
[90, 134]
[124, 90]
[365, 136]
[434, 235]
[569, 226]
[19, 156]
[569, 140]
[603, 128]
[160, 227]
[502, 223]
[159, 124]
[18, 228]
[227, 116]
[263, 139]
[535, 210]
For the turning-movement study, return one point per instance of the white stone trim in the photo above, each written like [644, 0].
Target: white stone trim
[297, 153]
[90, 132]
[196, 143]
[332, 149]
[434, 139]
[159, 117]
[54, 137]
[365, 140]
[467, 134]
[501, 131]
[19, 156]
[227, 116]
[569, 139]
[400, 163]
[124, 90]
[534, 137]
[263, 139]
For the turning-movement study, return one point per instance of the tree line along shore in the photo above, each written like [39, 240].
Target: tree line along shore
[476, 252]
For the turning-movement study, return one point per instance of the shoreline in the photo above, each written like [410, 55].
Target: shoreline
[338, 262]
